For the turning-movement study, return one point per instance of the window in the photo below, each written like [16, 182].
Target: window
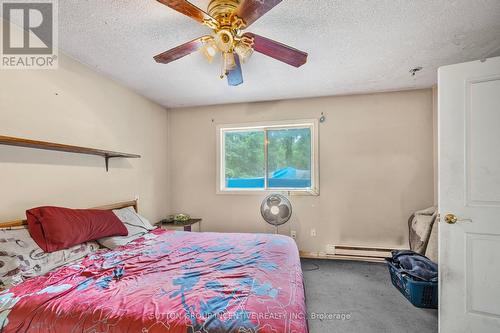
[273, 156]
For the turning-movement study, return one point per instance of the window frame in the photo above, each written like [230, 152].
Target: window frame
[312, 124]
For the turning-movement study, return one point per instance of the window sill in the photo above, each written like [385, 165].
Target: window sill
[314, 193]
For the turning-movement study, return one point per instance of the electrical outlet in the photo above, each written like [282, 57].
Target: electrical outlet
[313, 232]
[330, 249]
[293, 234]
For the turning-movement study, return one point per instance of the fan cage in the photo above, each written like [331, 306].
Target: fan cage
[274, 219]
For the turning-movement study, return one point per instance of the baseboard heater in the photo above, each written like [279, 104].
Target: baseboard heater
[349, 252]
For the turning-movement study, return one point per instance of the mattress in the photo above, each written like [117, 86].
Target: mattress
[168, 281]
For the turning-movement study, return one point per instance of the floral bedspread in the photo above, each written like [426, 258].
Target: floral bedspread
[168, 281]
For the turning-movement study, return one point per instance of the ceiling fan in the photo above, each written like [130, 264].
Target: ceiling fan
[227, 19]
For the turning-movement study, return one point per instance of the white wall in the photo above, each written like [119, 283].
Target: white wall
[74, 105]
[376, 167]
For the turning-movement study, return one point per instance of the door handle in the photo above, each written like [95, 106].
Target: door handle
[452, 219]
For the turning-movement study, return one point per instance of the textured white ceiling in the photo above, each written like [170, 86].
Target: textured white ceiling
[354, 46]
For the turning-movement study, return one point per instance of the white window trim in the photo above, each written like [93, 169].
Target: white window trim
[220, 170]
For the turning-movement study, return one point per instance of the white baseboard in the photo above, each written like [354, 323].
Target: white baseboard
[349, 252]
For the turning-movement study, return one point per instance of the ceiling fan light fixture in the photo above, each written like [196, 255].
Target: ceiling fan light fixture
[243, 51]
[224, 40]
[229, 61]
[209, 50]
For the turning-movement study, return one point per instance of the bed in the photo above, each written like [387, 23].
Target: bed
[167, 281]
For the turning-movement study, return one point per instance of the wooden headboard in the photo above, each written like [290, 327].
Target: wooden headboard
[22, 222]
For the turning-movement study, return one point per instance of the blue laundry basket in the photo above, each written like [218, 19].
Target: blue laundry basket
[422, 294]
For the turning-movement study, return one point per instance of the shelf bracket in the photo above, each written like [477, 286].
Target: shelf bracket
[106, 161]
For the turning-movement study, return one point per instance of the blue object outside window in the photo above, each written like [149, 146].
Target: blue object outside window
[283, 178]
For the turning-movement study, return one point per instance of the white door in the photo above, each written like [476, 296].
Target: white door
[469, 188]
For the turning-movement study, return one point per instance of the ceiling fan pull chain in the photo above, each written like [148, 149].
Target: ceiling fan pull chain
[223, 66]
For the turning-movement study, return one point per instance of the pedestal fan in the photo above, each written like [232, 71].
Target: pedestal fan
[276, 210]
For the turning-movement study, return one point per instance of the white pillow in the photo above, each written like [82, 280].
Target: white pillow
[10, 271]
[21, 257]
[136, 225]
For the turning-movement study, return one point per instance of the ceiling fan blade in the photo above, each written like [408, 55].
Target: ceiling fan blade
[277, 50]
[235, 76]
[251, 10]
[180, 51]
[187, 8]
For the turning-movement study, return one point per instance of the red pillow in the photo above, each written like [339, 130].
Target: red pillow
[56, 228]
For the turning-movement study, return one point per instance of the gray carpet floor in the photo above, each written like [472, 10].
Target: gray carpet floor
[358, 297]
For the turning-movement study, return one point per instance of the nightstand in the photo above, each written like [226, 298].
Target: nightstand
[193, 225]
